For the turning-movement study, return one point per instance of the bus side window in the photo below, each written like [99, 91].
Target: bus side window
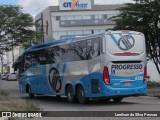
[93, 47]
[54, 54]
[21, 68]
[58, 56]
[27, 61]
[80, 51]
[30, 60]
[41, 57]
[68, 53]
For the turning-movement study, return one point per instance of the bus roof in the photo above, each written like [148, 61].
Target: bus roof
[64, 40]
[76, 38]
[124, 32]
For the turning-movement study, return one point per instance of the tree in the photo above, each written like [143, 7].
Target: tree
[15, 27]
[143, 16]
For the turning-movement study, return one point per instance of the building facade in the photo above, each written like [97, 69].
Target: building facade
[12, 56]
[75, 19]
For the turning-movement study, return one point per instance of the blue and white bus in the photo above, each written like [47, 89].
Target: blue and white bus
[106, 66]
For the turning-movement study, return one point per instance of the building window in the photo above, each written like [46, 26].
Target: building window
[70, 17]
[88, 32]
[86, 17]
[96, 31]
[92, 16]
[102, 31]
[63, 34]
[63, 17]
[72, 22]
[39, 26]
[100, 16]
[70, 33]
[56, 35]
[110, 15]
[104, 16]
[96, 16]
[57, 18]
[62, 23]
[78, 17]
[79, 32]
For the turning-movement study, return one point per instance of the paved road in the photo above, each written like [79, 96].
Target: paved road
[50, 103]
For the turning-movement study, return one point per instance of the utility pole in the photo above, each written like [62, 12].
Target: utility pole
[1, 63]
[12, 55]
[12, 52]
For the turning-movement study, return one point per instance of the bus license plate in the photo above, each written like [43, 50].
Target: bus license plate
[127, 83]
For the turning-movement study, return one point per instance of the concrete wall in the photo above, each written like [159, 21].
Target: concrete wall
[152, 71]
[10, 58]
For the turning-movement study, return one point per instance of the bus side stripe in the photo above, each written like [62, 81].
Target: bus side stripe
[114, 39]
[57, 66]
[120, 34]
[63, 70]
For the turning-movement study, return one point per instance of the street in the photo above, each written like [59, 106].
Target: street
[51, 103]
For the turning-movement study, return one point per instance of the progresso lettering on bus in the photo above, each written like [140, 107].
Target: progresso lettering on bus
[129, 66]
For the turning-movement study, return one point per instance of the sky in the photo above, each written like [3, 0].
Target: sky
[36, 6]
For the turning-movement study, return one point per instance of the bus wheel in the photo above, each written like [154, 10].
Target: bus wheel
[118, 99]
[70, 94]
[81, 95]
[31, 95]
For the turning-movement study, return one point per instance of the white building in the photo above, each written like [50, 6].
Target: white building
[152, 71]
[85, 18]
[17, 51]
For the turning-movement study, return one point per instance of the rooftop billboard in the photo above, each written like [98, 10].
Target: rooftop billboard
[74, 4]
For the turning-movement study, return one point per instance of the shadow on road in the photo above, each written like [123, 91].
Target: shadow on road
[63, 100]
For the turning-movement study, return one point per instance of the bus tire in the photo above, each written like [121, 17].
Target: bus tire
[31, 95]
[81, 95]
[70, 94]
[117, 99]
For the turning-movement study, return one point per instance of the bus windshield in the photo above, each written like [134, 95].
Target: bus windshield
[125, 44]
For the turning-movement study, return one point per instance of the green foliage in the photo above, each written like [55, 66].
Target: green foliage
[16, 27]
[10, 103]
[152, 84]
[31, 106]
[3, 93]
[143, 16]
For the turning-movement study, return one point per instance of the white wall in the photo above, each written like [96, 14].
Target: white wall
[56, 26]
[152, 71]
[10, 58]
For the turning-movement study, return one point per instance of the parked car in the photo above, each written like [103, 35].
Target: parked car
[3, 76]
[11, 76]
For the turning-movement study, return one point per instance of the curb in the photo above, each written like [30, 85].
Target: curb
[153, 92]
